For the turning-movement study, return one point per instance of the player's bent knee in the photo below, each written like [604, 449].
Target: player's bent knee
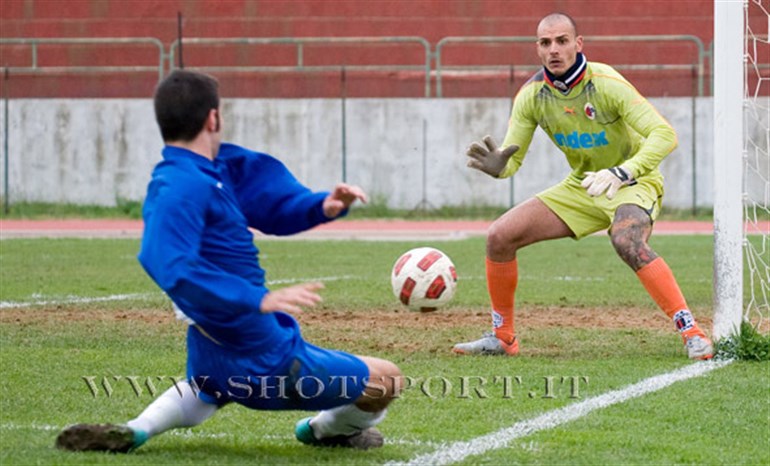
[385, 383]
[386, 378]
[621, 243]
[500, 241]
[634, 251]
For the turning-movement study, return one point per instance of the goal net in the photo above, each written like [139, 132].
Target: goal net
[742, 166]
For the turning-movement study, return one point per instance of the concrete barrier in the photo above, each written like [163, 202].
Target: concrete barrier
[406, 153]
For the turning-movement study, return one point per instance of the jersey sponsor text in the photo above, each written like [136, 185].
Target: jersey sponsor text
[577, 140]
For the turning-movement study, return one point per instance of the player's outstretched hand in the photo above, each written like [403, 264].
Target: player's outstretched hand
[341, 198]
[608, 179]
[292, 298]
[488, 157]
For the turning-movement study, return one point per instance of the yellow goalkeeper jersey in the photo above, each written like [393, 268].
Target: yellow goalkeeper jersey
[601, 123]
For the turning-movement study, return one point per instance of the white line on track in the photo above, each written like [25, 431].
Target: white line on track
[458, 451]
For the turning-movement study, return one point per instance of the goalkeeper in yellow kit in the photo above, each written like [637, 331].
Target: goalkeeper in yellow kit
[614, 140]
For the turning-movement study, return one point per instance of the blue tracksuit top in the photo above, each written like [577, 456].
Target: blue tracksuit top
[197, 247]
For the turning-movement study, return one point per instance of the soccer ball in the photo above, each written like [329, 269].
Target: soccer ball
[424, 279]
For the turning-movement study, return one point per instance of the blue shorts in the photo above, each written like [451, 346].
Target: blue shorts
[306, 377]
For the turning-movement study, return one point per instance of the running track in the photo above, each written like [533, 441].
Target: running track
[346, 229]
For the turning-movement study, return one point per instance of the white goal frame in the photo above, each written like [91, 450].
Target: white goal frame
[729, 79]
[741, 65]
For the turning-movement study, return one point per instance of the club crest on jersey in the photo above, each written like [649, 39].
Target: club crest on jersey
[590, 111]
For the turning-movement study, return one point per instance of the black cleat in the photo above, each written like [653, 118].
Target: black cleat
[98, 437]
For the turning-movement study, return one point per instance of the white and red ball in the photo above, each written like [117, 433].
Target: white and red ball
[424, 279]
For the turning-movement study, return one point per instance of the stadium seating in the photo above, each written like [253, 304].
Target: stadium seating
[390, 69]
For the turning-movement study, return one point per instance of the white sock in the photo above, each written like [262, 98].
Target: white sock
[344, 420]
[178, 406]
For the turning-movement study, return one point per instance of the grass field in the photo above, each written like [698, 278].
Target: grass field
[78, 310]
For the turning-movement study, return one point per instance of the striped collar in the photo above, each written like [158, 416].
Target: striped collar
[571, 78]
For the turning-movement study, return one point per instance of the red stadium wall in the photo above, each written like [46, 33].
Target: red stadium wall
[429, 19]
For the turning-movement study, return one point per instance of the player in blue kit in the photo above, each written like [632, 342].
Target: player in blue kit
[243, 347]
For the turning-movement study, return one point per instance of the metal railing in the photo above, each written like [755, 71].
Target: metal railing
[301, 43]
[36, 67]
[167, 61]
[698, 65]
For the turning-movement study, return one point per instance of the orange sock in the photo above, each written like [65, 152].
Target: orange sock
[502, 279]
[659, 281]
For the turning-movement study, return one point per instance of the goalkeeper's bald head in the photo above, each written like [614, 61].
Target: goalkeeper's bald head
[556, 18]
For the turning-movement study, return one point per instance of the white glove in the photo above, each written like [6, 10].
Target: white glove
[608, 179]
[489, 159]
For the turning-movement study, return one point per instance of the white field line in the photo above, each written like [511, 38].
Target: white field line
[451, 453]
[145, 296]
[129, 296]
[75, 300]
[288, 281]
[458, 451]
[280, 281]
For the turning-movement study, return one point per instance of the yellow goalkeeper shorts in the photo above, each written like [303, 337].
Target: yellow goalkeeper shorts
[585, 215]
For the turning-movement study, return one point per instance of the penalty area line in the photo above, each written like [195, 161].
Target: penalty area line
[458, 451]
[129, 296]
[75, 300]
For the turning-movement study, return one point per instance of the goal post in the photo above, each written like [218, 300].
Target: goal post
[741, 70]
[729, 80]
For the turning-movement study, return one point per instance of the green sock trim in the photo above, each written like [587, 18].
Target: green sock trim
[140, 437]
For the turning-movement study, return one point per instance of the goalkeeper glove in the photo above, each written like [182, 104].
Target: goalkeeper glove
[608, 179]
[490, 159]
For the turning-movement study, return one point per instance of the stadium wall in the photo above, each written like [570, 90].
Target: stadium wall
[97, 151]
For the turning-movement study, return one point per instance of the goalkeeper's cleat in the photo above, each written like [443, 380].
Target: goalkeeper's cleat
[363, 440]
[100, 437]
[488, 344]
[699, 347]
